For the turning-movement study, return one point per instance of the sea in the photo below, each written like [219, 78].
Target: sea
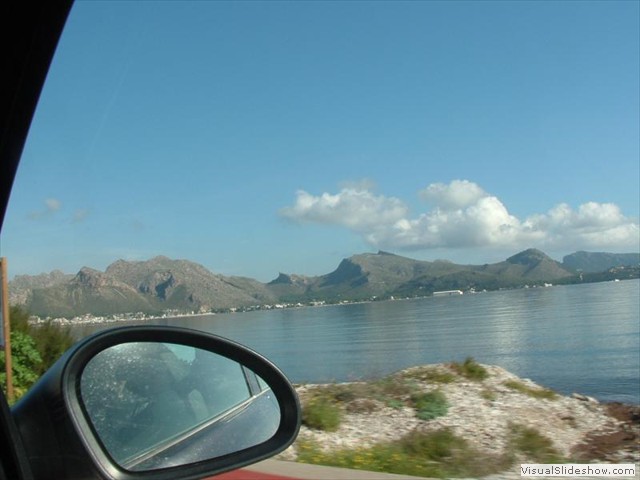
[573, 338]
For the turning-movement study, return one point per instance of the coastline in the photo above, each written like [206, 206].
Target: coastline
[482, 412]
[439, 327]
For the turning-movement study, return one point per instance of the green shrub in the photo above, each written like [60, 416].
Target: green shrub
[25, 362]
[52, 341]
[470, 369]
[321, 413]
[430, 405]
[432, 375]
[532, 392]
[395, 404]
[393, 390]
[438, 454]
[534, 445]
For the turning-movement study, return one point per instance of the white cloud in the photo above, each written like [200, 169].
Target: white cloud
[463, 215]
[458, 194]
[353, 207]
[593, 224]
[51, 206]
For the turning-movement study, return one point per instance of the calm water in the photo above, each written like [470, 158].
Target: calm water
[576, 338]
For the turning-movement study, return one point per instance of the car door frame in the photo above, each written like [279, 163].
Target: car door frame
[29, 33]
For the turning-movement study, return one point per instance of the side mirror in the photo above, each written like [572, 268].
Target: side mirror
[155, 403]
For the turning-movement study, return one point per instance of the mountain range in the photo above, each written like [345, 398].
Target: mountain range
[163, 284]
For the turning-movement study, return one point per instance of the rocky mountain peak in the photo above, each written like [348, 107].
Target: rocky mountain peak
[159, 284]
[282, 279]
[347, 271]
[162, 284]
[89, 277]
[531, 256]
[291, 282]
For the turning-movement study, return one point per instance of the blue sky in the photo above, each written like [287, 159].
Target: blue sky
[258, 137]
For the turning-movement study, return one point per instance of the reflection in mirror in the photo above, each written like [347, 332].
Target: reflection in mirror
[156, 405]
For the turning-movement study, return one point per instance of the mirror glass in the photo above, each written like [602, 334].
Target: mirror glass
[157, 405]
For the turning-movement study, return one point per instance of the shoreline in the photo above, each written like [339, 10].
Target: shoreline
[564, 371]
[481, 412]
[90, 319]
[81, 330]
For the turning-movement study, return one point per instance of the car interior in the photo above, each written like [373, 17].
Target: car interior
[109, 407]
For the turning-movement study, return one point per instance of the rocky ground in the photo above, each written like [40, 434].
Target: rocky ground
[483, 412]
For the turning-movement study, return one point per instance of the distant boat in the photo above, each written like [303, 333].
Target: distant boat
[445, 293]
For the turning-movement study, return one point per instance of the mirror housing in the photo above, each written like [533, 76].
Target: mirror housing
[59, 436]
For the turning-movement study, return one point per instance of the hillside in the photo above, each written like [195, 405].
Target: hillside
[175, 284]
[22, 285]
[527, 267]
[530, 264]
[89, 292]
[381, 274]
[162, 284]
[149, 286]
[594, 262]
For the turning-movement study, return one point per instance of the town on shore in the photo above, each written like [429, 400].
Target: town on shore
[164, 288]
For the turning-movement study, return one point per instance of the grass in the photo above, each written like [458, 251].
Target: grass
[323, 407]
[431, 375]
[393, 387]
[321, 413]
[534, 445]
[395, 404]
[470, 369]
[362, 405]
[322, 410]
[543, 393]
[393, 391]
[430, 405]
[438, 454]
[488, 394]
[398, 390]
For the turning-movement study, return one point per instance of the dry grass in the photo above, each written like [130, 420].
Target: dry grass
[543, 393]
